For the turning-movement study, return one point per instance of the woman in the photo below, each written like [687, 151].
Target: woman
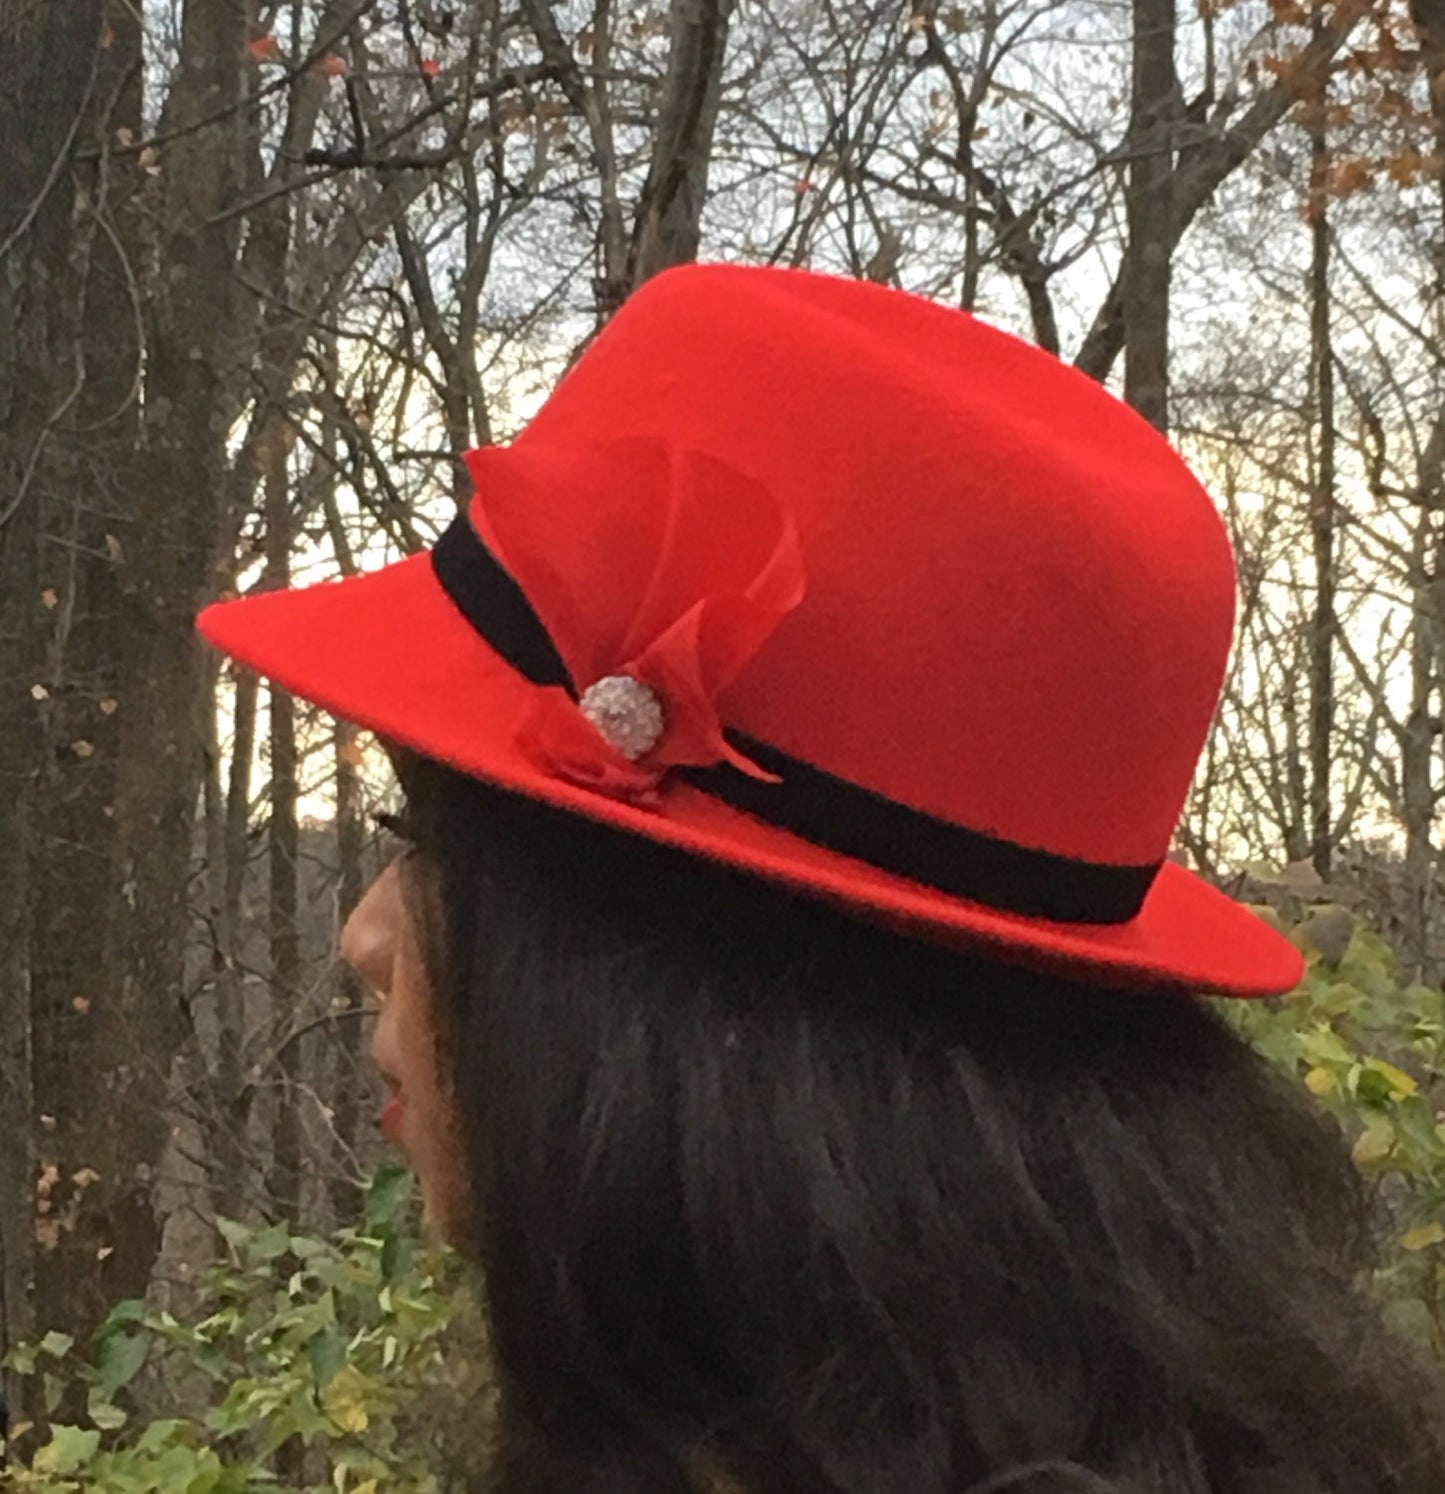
[788, 995]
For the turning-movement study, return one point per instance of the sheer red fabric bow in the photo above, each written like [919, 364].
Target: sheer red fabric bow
[677, 573]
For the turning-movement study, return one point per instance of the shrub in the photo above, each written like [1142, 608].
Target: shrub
[320, 1365]
[1369, 1044]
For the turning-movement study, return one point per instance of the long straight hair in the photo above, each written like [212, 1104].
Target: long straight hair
[768, 1198]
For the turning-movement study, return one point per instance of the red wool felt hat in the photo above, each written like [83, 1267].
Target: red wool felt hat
[839, 586]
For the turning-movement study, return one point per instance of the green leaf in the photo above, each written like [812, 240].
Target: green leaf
[57, 1345]
[121, 1356]
[327, 1354]
[1372, 1087]
[1401, 1084]
[161, 1434]
[396, 1257]
[1279, 1043]
[271, 1242]
[1415, 1121]
[68, 1449]
[1322, 1046]
[233, 1233]
[1424, 999]
[390, 1190]
[107, 1417]
[1340, 997]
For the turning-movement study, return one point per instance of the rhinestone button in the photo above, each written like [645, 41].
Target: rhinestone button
[626, 713]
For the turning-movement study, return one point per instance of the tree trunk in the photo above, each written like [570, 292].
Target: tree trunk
[102, 1030]
[47, 51]
[159, 562]
[1322, 495]
[1149, 207]
[1428, 635]
[231, 1092]
[284, 1185]
[1226, 144]
[667, 229]
[348, 1002]
[1417, 753]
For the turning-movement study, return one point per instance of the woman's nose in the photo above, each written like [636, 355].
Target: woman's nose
[369, 937]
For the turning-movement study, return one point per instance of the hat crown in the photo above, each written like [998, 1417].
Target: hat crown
[1019, 600]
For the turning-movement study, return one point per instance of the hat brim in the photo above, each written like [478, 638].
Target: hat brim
[389, 651]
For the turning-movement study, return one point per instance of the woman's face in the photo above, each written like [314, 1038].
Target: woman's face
[383, 945]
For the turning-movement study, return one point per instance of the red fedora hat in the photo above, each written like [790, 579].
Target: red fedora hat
[839, 586]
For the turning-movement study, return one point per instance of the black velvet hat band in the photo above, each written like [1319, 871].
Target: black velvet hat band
[808, 801]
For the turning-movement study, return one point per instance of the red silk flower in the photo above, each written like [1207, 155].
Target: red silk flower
[676, 573]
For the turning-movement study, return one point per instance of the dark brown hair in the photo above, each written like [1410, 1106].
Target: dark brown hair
[765, 1190]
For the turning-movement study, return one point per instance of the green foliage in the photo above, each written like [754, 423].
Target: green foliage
[1370, 1045]
[307, 1365]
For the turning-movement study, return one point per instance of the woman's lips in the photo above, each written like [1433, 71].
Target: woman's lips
[392, 1114]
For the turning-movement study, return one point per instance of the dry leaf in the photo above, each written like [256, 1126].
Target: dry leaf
[82, 749]
[49, 598]
[1423, 1235]
[81, 1004]
[109, 706]
[1373, 1146]
[1401, 1084]
[1350, 176]
[1406, 166]
[265, 48]
[1319, 1081]
[39, 692]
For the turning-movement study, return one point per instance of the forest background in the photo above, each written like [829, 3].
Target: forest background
[265, 269]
